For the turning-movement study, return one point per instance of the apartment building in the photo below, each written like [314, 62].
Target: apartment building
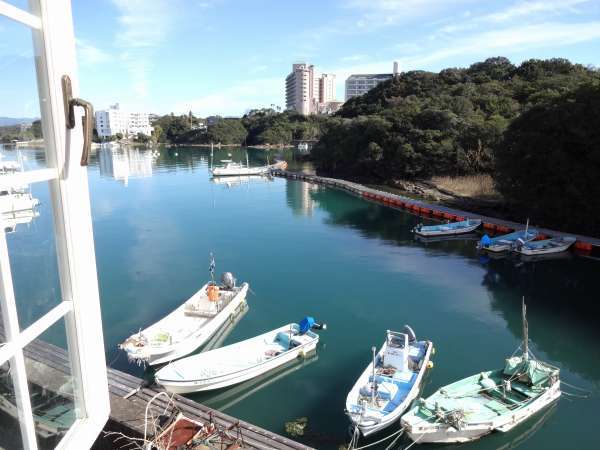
[307, 93]
[114, 120]
[359, 84]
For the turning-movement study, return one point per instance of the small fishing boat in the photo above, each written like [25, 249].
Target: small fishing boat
[447, 229]
[506, 242]
[489, 401]
[231, 168]
[545, 246]
[241, 361]
[191, 325]
[390, 382]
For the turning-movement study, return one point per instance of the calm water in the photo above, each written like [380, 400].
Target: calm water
[311, 250]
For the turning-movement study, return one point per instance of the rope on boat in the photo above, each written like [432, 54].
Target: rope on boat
[355, 439]
[576, 395]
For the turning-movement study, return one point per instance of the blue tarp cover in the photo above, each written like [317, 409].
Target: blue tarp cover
[306, 324]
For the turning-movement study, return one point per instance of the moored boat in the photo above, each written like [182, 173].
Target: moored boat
[506, 242]
[447, 229]
[190, 325]
[390, 383]
[489, 401]
[231, 168]
[241, 361]
[545, 246]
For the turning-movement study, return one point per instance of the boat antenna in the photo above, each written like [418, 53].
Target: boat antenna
[373, 349]
[247, 160]
[526, 227]
[525, 332]
[211, 267]
[211, 154]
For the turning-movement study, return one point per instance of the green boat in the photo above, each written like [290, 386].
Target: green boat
[496, 400]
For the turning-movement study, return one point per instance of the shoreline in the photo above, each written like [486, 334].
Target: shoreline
[435, 211]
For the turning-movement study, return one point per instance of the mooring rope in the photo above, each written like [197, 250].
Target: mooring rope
[401, 430]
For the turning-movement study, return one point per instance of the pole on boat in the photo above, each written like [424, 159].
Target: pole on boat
[211, 267]
[211, 154]
[373, 384]
[526, 227]
[247, 160]
[525, 332]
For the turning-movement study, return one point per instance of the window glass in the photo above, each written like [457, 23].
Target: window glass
[10, 431]
[20, 125]
[30, 237]
[52, 387]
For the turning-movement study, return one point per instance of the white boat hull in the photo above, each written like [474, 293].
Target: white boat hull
[445, 434]
[450, 232]
[154, 355]
[545, 251]
[230, 172]
[373, 425]
[186, 386]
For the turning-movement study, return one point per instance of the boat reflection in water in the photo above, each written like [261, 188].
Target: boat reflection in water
[228, 397]
[232, 181]
[526, 430]
[125, 163]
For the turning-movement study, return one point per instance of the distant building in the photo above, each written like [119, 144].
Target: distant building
[114, 120]
[329, 107]
[212, 120]
[306, 93]
[359, 84]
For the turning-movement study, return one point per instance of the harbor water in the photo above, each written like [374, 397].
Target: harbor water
[312, 250]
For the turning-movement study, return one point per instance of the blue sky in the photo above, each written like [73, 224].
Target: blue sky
[225, 56]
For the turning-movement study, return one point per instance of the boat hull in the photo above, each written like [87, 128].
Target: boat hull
[156, 355]
[225, 172]
[446, 434]
[450, 232]
[369, 427]
[239, 376]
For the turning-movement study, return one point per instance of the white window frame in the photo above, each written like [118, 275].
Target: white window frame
[54, 43]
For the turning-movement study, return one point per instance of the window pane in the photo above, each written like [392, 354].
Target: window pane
[51, 385]
[10, 431]
[20, 127]
[32, 251]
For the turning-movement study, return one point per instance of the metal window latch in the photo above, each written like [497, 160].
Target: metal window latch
[88, 117]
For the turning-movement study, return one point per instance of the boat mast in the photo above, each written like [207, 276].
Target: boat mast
[525, 332]
[247, 160]
[211, 154]
[373, 349]
[526, 229]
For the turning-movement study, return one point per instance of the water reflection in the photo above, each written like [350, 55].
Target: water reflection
[233, 181]
[124, 163]
[300, 198]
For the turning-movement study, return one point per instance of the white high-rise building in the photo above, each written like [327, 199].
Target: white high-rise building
[306, 93]
[114, 120]
[300, 88]
[327, 88]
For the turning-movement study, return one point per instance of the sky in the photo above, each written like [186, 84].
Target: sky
[228, 56]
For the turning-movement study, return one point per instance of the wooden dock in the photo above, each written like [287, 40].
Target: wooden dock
[435, 211]
[48, 368]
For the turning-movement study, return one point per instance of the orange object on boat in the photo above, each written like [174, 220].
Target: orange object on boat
[213, 292]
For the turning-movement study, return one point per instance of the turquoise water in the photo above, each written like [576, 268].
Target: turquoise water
[353, 264]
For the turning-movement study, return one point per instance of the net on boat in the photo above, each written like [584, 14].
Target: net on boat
[529, 371]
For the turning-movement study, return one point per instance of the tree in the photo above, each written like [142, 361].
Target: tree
[548, 164]
[36, 129]
[119, 136]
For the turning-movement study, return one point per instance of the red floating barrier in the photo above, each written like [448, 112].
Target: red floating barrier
[580, 245]
[489, 226]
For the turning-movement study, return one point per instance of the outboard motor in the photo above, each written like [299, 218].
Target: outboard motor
[412, 337]
[519, 244]
[228, 280]
[309, 323]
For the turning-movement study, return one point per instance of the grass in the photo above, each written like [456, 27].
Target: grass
[474, 186]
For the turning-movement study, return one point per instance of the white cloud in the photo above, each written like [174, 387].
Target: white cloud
[527, 37]
[353, 58]
[237, 99]
[530, 8]
[144, 25]
[88, 54]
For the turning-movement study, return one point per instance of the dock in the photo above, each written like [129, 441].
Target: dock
[435, 211]
[48, 368]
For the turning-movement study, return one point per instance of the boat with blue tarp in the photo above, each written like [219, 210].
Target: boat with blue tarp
[506, 242]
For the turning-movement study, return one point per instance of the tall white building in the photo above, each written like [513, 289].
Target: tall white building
[306, 93]
[114, 120]
[359, 84]
[327, 88]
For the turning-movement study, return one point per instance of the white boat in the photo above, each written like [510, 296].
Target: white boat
[15, 200]
[190, 326]
[496, 400]
[505, 242]
[544, 246]
[231, 168]
[447, 229]
[241, 361]
[390, 382]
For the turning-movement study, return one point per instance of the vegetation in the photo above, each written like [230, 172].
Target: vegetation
[548, 163]
[10, 133]
[266, 126]
[421, 124]
[481, 186]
